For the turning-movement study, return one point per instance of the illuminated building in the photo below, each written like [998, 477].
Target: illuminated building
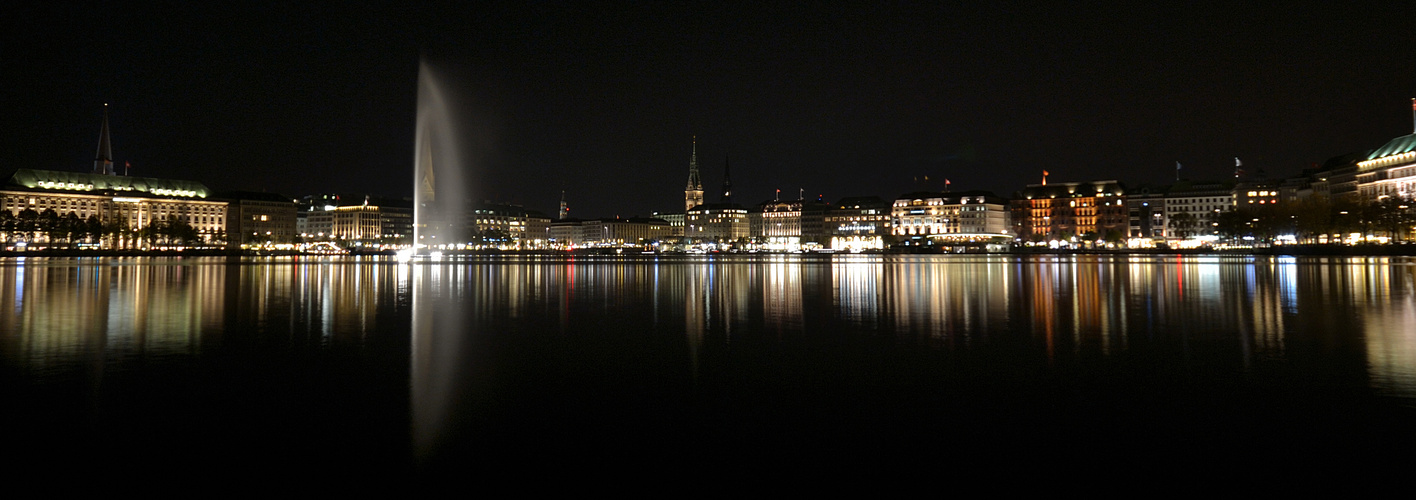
[950, 219]
[693, 193]
[118, 211]
[564, 233]
[259, 217]
[538, 226]
[1145, 215]
[1061, 211]
[791, 225]
[981, 212]
[124, 205]
[858, 223]
[1389, 171]
[921, 214]
[373, 222]
[498, 225]
[675, 221]
[1200, 202]
[1257, 194]
[724, 221]
[716, 222]
[611, 232]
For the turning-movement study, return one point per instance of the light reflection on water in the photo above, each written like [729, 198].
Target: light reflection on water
[66, 309]
[1341, 318]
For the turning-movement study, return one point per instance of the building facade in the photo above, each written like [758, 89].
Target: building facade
[259, 218]
[1389, 171]
[134, 212]
[858, 223]
[1062, 211]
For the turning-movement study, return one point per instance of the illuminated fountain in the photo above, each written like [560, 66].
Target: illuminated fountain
[439, 192]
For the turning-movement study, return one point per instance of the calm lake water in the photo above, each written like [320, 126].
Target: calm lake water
[344, 367]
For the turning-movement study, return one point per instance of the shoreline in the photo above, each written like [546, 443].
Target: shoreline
[1285, 250]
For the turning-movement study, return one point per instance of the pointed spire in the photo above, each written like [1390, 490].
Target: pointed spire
[693, 193]
[694, 182]
[727, 180]
[103, 160]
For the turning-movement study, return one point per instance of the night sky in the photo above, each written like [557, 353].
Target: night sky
[603, 101]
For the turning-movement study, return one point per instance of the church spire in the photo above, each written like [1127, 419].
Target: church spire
[727, 181]
[693, 193]
[103, 160]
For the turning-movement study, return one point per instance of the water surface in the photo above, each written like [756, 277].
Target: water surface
[367, 368]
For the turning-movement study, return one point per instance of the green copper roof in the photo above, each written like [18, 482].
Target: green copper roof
[1399, 145]
[99, 183]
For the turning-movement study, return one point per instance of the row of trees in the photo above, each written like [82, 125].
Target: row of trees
[1307, 220]
[51, 229]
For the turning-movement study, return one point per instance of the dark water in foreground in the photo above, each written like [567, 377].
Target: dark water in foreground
[378, 371]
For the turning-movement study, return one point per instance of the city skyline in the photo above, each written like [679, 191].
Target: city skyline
[604, 102]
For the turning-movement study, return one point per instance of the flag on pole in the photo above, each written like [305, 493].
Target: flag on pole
[1177, 165]
[946, 182]
[1238, 163]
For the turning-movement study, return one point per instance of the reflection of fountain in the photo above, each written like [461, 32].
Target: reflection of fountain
[439, 196]
[439, 192]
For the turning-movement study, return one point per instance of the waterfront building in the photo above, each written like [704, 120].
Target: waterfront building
[131, 210]
[538, 226]
[1063, 211]
[791, 225]
[1264, 193]
[716, 222]
[564, 233]
[722, 222]
[919, 214]
[981, 212]
[1145, 207]
[1338, 176]
[675, 221]
[375, 222]
[259, 218]
[617, 232]
[858, 223]
[1389, 171]
[962, 219]
[496, 225]
[608, 233]
[1192, 207]
[115, 211]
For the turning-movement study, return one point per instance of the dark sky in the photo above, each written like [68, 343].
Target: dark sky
[603, 101]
